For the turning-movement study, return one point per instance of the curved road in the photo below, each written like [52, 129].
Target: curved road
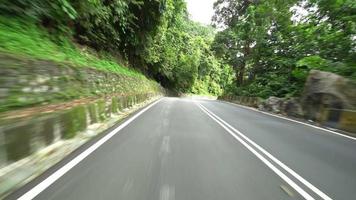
[181, 149]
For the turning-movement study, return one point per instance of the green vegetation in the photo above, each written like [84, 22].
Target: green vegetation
[74, 121]
[265, 48]
[19, 36]
[155, 37]
[19, 146]
[179, 55]
[273, 45]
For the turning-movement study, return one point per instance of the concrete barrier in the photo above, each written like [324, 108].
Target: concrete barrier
[339, 119]
[247, 101]
[20, 138]
[336, 118]
[30, 145]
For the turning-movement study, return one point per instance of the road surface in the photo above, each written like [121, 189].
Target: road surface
[181, 149]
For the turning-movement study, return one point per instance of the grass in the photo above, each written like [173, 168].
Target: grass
[24, 37]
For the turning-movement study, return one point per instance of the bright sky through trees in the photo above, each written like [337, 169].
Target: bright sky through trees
[201, 10]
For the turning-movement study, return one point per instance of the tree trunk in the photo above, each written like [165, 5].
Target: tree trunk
[240, 71]
[240, 75]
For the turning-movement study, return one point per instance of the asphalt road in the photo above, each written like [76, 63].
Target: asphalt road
[181, 149]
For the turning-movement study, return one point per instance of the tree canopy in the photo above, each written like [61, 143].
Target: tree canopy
[272, 45]
[261, 48]
[156, 37]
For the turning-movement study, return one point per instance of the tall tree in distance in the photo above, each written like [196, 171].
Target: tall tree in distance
[272, 49]
[237, 37]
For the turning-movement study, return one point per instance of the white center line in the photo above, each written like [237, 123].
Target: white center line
[165, 146]
[292, 120]
[274, 159]
[32, 193]
[167, 192]
[231, 130]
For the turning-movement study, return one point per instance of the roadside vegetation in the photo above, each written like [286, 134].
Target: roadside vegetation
[272, 45]
[256, 48]
[153, 37]
[24, 37]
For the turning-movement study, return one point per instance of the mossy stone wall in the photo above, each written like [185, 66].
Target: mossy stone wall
[22, 137]
[25, 82]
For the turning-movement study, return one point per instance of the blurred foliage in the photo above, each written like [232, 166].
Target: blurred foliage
[154, 36]
[23, 36]
[272, 46]
[180, 55]
[263, 48]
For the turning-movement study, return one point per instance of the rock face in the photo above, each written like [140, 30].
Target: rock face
[290, 107]
[328, 99]
[272, 104]
[325, 90]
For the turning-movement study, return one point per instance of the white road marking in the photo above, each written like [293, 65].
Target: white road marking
[32, 193]
[270, 156]
[165, 146]
[287, 190]
[165, 121]
[128, 186]
[167, 193]
[292, 120]
[264, 160]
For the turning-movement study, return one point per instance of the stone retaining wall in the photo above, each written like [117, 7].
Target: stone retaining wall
[25, 82]
[29, 146]
[341, 119]
[49, 109]
[247, 101]
[22, 137]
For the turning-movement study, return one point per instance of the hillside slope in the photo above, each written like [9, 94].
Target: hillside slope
[38, 68]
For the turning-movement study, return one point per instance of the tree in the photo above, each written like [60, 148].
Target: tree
[267, 47]
[236, 15]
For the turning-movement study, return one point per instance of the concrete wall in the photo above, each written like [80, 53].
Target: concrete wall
[20, 138]
[336, 118]
[49, 109]
[247, 101]
[339, 119]
[30, 83]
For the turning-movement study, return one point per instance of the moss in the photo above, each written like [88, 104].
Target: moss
[101, 110]
[18, 100]
[124, 102]
[108, 109]
[132, 100]
[120, 104]
[63, 84]
[23, 37]
[17, 142]
[114, 105]
[93, 113]
[73, 121]
[48, 130]
[135, 101]
[129, 101]
[141, 97]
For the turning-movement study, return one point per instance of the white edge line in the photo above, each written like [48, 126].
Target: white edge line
[33, 192]
[263, 159]
[285, 118]
[274, 159]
